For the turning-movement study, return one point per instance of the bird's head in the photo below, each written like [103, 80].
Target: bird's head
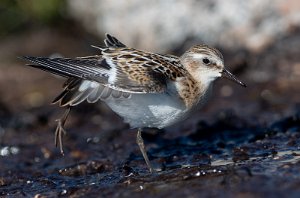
[206, 64]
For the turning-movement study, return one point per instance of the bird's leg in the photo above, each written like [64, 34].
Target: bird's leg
[140, 142]
[60, 130]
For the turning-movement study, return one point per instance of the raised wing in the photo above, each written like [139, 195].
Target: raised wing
[91, 69]
[118, 71]
[113, 42]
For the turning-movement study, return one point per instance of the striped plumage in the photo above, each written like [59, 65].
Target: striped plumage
[117, 71]
[146, 89]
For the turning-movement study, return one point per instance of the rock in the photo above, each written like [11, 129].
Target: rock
[167, 25]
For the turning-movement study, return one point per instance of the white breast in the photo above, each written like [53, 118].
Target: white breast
[149, 110]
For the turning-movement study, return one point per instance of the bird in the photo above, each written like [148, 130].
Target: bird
[146, 89]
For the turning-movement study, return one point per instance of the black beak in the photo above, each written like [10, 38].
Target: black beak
[230, 76]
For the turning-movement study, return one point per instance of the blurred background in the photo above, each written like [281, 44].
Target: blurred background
[260, 41]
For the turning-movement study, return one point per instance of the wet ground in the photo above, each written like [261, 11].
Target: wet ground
[243, 143]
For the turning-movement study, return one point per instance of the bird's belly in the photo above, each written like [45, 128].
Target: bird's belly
[148, 110]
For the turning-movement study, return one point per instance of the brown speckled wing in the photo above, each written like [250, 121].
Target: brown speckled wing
[142, 72]
[117, 71]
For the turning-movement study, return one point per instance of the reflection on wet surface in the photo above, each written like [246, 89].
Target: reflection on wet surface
[222, 152]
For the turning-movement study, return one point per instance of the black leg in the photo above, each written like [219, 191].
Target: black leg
[140, 142]
[60, 130]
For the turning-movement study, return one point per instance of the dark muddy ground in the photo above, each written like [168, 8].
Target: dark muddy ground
[243, 143]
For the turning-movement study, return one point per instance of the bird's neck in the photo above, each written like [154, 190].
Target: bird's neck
[190, 91]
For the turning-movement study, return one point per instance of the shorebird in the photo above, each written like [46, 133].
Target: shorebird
[146, 89]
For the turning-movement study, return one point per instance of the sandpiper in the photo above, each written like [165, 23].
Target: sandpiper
[146, 89]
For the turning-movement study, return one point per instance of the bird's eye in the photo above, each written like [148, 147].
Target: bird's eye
[206, 61]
